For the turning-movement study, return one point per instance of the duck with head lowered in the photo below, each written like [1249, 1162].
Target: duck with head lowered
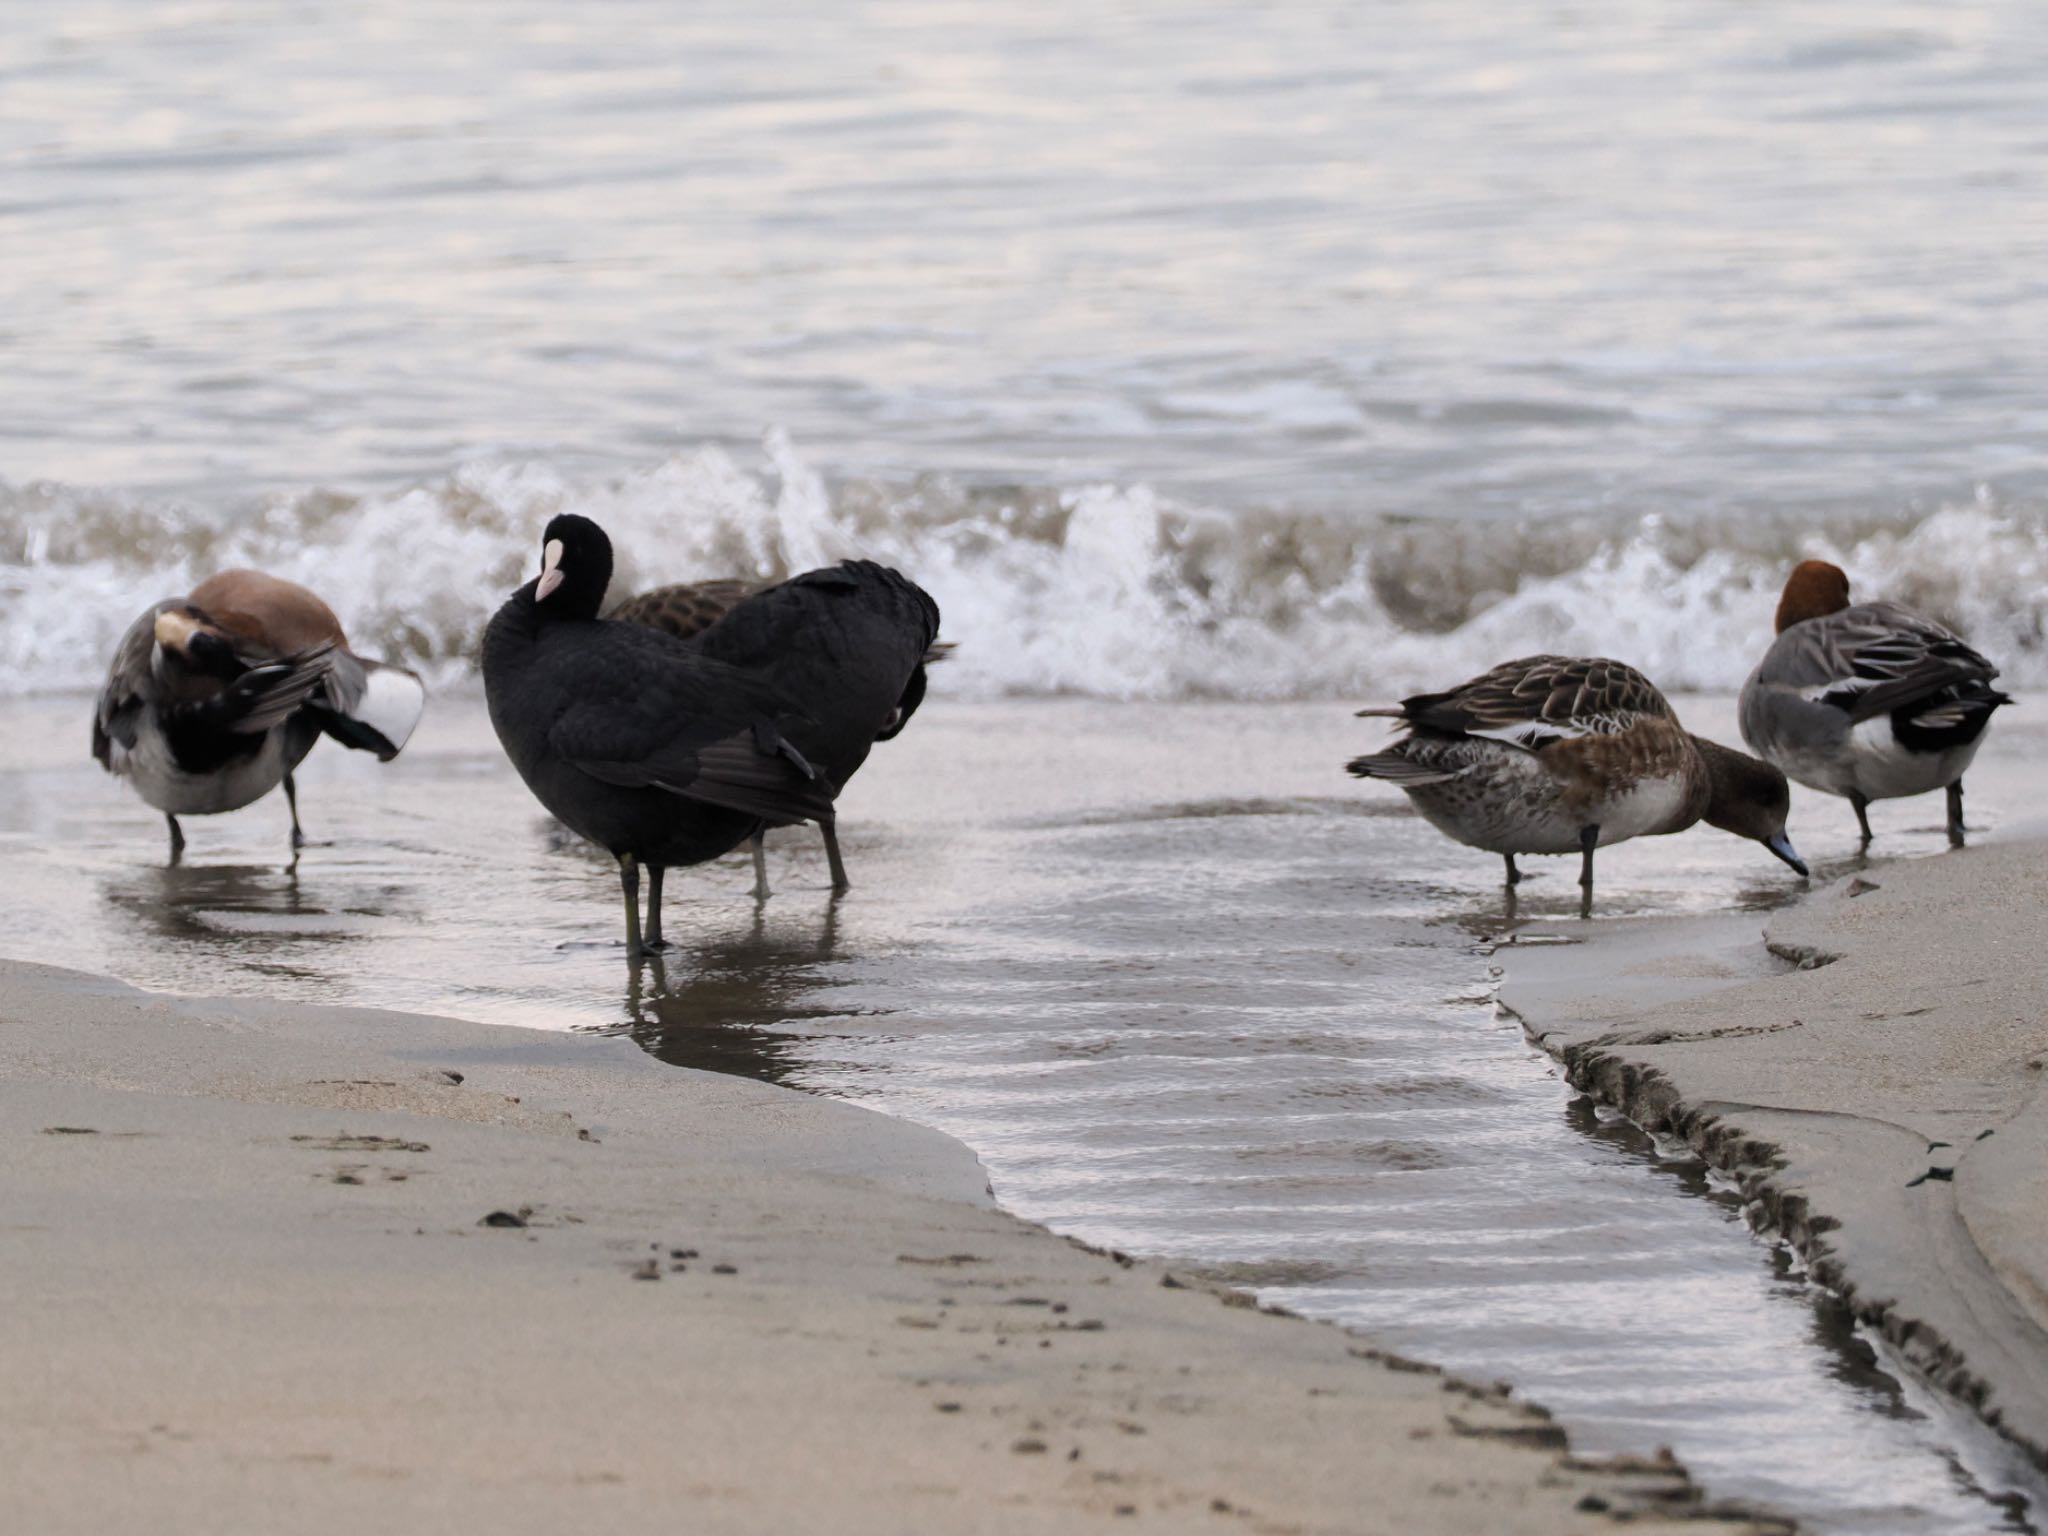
[1870, 701]
[1566, 754]
[670, 752]
[214, 698]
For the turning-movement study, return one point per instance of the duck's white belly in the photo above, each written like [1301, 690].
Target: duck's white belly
[150, 767]
[1650, 807]
[1880, 768]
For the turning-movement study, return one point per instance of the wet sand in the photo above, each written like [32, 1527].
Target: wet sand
[1869, 1067]
[313, 1267]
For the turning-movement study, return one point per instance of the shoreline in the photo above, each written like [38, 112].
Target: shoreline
[1868, 1070]
[341, 1264]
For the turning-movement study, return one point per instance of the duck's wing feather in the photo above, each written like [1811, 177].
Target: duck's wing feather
[1534, 701]
[685, 609]
[129, 690]
[1872, 659]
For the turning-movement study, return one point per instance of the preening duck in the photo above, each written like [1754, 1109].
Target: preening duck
[687, 609]
[1871, 701]
[666, 752]
[214, 698]
[1565, 754]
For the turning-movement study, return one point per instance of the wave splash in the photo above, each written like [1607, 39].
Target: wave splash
[1105, 590]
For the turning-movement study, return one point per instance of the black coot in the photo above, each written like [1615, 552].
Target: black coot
[667, 752]
[687, 609]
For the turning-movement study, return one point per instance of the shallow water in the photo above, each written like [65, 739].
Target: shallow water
[1184, 987]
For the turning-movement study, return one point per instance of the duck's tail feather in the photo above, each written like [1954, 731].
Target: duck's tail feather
[1395, 769]
[372, 705]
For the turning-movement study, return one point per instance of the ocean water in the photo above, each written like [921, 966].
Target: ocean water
[1217, 368]
[1269, 352]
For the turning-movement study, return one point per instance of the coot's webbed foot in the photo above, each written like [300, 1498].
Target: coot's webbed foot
[840, 884]
[177, 839]
[1861, 803]
[760, 866]
[629, 884]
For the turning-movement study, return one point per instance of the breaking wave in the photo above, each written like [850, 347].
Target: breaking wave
[1100, 589]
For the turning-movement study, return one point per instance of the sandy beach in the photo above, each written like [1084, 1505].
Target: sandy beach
[293, 1269]
[1869, 1067]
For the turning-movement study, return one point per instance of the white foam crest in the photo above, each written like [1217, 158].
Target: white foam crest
[1107, 590]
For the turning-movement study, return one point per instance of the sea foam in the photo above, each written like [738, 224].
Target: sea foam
[1108, 590]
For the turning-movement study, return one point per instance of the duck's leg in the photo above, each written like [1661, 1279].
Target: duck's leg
[654, 942]
[291, 798]
[177, 838]
[1861, 802]
[839, 882]
[629, 882]
[1514, 874]
[1589, 839]
[1955, 814]
[761, 865]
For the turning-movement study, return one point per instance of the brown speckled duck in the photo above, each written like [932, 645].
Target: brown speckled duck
[1566, 754]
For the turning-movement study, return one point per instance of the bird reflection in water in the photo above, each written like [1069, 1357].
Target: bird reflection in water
[720, 1006]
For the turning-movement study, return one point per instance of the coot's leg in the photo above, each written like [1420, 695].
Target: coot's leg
[1514, 874]
[654, 942]
[839, 882]
[1955, 814]
[291, 798]
[761, 865]
[629, 882]
[1862, 804]
[177, 838]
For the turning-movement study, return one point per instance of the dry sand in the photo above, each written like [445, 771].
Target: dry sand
[1871, 1067]
[250, 1287]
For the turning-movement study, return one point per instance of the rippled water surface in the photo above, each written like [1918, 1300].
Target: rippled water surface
[1185, 988]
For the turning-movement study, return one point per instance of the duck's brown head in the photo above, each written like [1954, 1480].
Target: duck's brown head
[1748, 797]
[1813, 589]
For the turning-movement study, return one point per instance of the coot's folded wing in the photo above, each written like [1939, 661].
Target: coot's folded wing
[692, 727]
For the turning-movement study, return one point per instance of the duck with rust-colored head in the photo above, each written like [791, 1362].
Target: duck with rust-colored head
[1870, 701]
[215, 697]
[1566, 754]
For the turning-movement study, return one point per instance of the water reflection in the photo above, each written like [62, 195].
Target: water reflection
[721, 1006]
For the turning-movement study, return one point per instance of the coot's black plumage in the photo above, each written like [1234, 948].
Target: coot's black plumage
[667, 752]
[687, 609]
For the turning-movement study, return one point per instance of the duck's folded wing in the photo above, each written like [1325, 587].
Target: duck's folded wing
[117, 717]
[1534, 701]
[1870, 660]
[266, 695]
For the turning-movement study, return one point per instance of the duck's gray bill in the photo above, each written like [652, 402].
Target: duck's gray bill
[1781, 845]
